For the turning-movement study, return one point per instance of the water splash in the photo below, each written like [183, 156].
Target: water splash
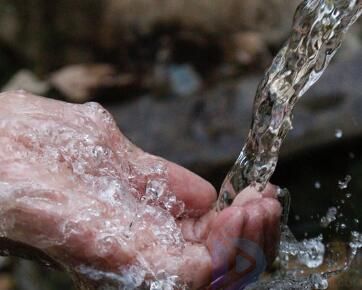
[343, 184]
[312, 252]
[329, 217]
[308, 264]
[318, 30]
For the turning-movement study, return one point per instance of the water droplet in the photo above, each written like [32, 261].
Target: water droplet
[356, 240]
[297, 217]
[343, 184]
[339, 133]
[348, 195]
[155, 189]
[317, 185]
[329, 217]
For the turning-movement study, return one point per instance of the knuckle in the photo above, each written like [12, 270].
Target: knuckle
[100, 113]
[272, 206]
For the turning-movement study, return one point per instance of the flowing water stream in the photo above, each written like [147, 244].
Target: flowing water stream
[318, 30]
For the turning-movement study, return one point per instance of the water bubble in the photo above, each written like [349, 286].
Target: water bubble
[343, 184]
[317, 185]
[338, 133]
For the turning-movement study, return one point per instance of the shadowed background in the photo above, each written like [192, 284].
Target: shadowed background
[179, 78]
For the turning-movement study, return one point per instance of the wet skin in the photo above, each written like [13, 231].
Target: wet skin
[57, 164]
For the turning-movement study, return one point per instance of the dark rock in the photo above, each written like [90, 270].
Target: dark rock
[6, 282]
[184, 81]
[28, 81]
[247, 49]
[350, 279]
[10, 62]
[4, 261]
[210, 16]
[84, 82]
[10, 22]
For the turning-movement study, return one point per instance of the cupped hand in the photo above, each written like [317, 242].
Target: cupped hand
[74, 187]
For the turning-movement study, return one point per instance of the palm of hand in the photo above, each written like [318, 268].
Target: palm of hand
[108, 210]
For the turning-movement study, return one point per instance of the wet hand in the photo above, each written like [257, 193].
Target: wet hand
[74, 187]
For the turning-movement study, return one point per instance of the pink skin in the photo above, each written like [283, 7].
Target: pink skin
[49, 203]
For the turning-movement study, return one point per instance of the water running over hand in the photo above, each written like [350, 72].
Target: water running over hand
[318, 30]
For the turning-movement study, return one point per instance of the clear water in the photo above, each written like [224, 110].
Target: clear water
[103, 177]
[318, 30]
